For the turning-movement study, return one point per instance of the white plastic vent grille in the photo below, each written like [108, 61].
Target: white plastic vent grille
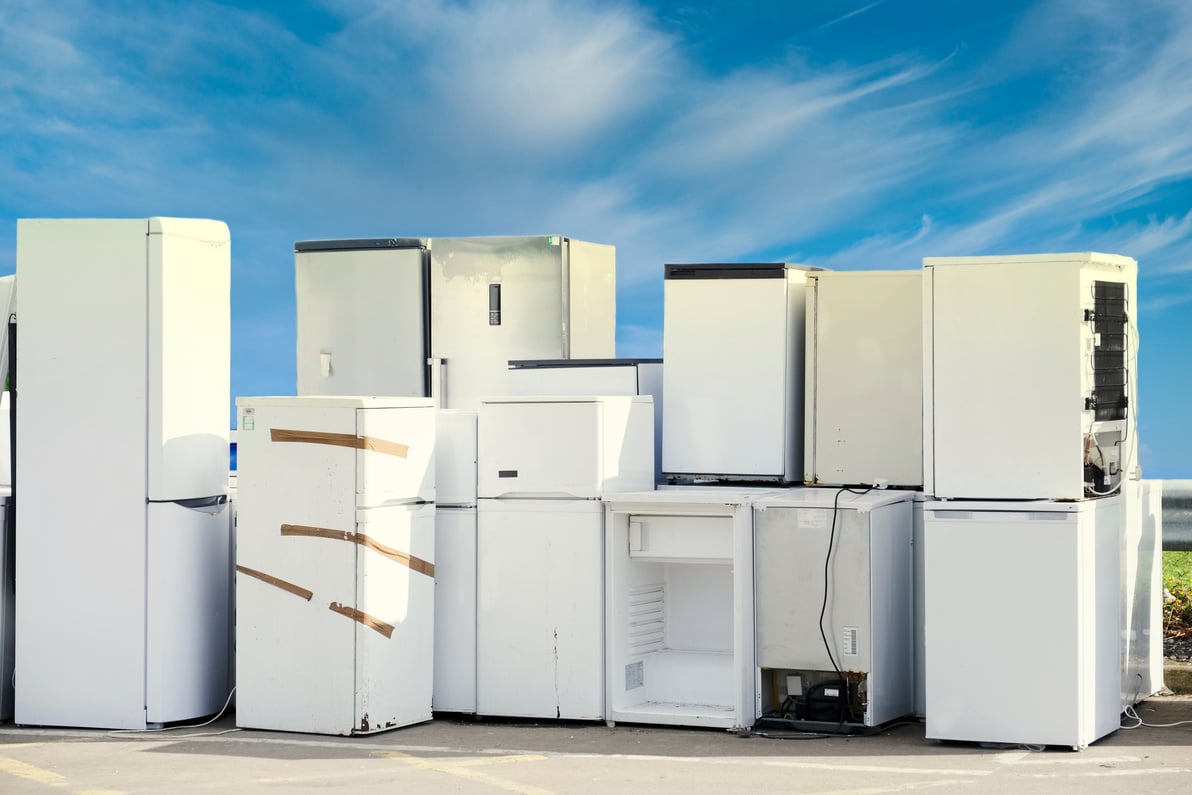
[647, 619]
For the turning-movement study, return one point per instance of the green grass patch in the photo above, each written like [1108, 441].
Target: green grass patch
[1177, 579]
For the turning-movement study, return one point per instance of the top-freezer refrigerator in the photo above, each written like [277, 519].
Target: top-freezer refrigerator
[733, 384]
[1030, 372]
[441, 317]
[122, 450]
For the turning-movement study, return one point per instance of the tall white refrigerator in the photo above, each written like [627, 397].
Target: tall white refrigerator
[733, 383]
[543, 465]
[1022, 620]
[122, 463]
[335, 562]
[455, 561]
[442, 316]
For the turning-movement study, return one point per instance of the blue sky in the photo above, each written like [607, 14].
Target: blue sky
[850, 135]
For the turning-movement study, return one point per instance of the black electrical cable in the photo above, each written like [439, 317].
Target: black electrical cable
[824, 605]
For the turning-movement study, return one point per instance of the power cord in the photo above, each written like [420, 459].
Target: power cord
[1133, 715]
[218, 715]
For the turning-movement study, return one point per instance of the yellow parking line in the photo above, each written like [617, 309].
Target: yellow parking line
[478, 761]
[465, 771]
[15, 767]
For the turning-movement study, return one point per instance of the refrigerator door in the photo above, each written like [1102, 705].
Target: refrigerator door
[393, 616]
[362, 321]
[455, 610]
[540, 596]
[730, 345]
[494, 299]
[189, 372]
[591, 301]
[187, 611]
[539, 449]
[455, 458]
[385, 473]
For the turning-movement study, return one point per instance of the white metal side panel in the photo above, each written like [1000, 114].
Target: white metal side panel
[794, 390]
[976, 690]
[455, 610]
[724, 395]
[455, 458]
[627, 448]
[295, 668]
[361, 323]
[591, 302]
[928, 353]
[8, 305]
[385, 473]
[919, 645]
[7, 610]
[563, 380]
[190, 349]
[1007, 397]
[188, 613]
[865, 378]
[81, 521]
[540, 596]
[891, 685]
[395, 631]
[744, 664]
[1100, 618]
[649, 382]
[540, 448]
[529, 271]
[1146, 629]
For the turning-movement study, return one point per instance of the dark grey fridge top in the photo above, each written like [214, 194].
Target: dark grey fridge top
[521, 364]
[359, 244]
[729, 270]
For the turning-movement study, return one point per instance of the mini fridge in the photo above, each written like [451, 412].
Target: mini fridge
[679, 606]
[733, 383]
[833, 585]
[544, 463]
[455, 562]
[864, 378]
[335, 561]
[1023, 624]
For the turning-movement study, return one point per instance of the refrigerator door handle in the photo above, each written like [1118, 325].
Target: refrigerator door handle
[218, 502]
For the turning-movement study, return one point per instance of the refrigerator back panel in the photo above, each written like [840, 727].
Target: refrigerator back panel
[1023, 386]
[733, 382]
[499, 298]
[864, 403]
[362, 322]
[570, 448]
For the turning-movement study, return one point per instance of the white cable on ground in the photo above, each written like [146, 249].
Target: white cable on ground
[218, 715]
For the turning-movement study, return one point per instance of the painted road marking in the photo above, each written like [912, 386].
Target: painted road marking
[464, 771]
[905, 787]
[15, 767]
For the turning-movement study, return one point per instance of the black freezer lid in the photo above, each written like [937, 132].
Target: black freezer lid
[359, 244]
[523, 364]
[729, 270]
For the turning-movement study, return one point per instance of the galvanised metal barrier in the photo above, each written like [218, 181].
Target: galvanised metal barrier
[1177, 515]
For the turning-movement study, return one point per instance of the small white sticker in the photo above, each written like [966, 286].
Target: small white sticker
[634, 675]
[848, 639]
[812, 519]
[248, 420]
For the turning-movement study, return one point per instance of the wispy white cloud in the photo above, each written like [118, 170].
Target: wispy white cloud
[849, 15]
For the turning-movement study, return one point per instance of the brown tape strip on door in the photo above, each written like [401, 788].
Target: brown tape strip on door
[363, 618]
[341, 440]
[415, 563]
[297, 590]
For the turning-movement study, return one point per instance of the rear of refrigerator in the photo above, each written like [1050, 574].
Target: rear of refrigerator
[733, 384]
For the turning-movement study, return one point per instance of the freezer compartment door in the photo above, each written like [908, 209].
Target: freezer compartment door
[393, 616]
[397, 462]
[187, 612]
[361, 322]
[540, 628]
[540, 449]
[190, 349]
[455, 610]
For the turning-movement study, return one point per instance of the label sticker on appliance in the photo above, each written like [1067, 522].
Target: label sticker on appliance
[248, 420]
[848, 640]
[634, 675]
[811, 520]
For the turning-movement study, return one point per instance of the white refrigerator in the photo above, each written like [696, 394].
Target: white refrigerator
[1022, 620]
[122, 463]
[593, 377]
[455, 562]
[864, 378]
[442, 316]
[1030, 375]
[543, 465]
[833, 585]
[733, 383]
[335, 563]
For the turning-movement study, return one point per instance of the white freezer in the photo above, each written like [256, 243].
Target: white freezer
[455, 458]
[864, 378]
[594, 377]
[141, 307]
[564, 447]
[865, 595]
[733, 382]
[679, 607]
[1023, 621]
[455, 610]
[539, 623]
[1015, 350]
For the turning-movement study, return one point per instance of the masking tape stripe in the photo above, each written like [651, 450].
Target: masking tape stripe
[340, 440]
[297, 590]
[415, 563]
[364, 618]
